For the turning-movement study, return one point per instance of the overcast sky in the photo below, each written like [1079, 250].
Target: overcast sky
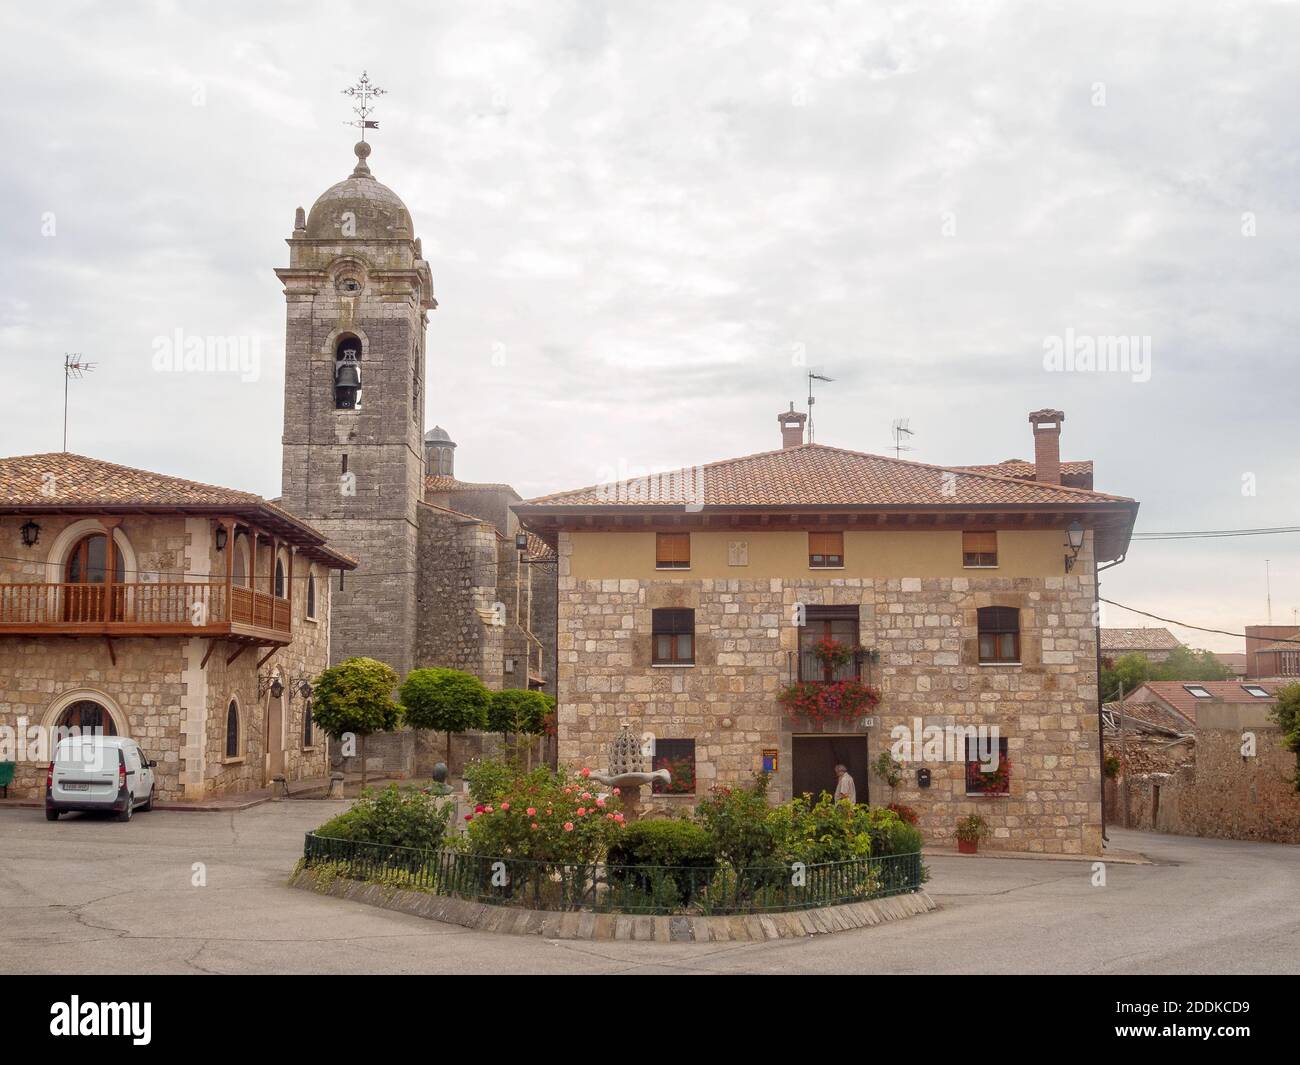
[647, 221]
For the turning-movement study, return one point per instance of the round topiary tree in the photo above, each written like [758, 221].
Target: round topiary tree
[518, 711]
[355, 698]
[445, 700]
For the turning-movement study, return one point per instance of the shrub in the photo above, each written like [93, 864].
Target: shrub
[518, 710]
[489, 779]
[395, 818]
[1287, 715]
[905, 812]
[1112, 766]
[355, 696]
[546, 817]
[890, 834]
[972, 828]
[445, 700]
[822, 831]
[739, 822]
[660, 863]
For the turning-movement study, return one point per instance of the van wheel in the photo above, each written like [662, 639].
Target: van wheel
[148, 803]
[125, 815]
[51, 815]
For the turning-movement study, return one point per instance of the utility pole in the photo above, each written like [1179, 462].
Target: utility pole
[1268, 591]
[1123, 753]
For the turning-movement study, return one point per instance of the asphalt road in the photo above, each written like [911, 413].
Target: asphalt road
[89, 895]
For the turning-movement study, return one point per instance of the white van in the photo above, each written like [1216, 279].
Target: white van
[99, 773]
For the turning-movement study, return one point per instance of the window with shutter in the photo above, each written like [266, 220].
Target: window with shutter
[825, 550]
[979, 549]
[672, 551]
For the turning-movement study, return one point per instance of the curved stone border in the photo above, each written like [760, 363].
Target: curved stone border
[682, 928]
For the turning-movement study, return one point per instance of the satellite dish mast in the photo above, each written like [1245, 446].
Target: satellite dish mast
[813, 376]
[900, 433]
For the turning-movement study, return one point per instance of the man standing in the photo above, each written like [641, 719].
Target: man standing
[844, 786]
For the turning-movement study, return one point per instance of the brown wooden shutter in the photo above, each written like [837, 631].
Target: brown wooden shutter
[979, 543]
[673, 549]
[826, 543]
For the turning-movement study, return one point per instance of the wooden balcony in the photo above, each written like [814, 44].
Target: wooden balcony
[175, 608]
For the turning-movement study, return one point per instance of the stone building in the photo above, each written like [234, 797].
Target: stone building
[1152, 643]
[184, 615]
[688, 603]
[447, 576]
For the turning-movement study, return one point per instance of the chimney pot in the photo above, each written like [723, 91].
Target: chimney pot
[1047, 445]
[792, 423]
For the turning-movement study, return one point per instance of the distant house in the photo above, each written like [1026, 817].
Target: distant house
[1201, 759]
[1233, 660]
[1273, 651]
[1152, 644]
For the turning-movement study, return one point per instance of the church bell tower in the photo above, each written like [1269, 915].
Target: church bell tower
[358, 294]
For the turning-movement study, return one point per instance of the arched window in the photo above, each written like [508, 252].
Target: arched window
[311, 595]
[232, 730]
[89, 718]
[279, 578]
[347, 374]
[87, 564]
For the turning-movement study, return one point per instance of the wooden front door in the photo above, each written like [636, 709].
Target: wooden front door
[86, 575]
[814, 759]
[274, 738]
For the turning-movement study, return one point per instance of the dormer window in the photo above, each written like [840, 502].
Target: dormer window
[1196, 691]
[1256, 691]
[347, 374]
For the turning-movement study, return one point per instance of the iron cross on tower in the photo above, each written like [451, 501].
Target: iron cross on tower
[362, 92]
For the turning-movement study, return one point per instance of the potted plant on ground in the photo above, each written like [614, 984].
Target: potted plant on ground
[970, 830]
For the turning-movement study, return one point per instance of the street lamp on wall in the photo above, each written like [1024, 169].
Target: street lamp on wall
[31, 532]
[1074, 541]
[222, 537]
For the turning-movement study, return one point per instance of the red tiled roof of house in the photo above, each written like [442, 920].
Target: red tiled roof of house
[815, 475]
[440, 482]
[1174, 694]
[1140, 639]
[1075, 474]
[61, 481]
[1233, 660]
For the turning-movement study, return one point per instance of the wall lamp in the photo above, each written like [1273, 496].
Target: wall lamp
[1074, 541]
[222, 537]
[521, 541]
[31, 532]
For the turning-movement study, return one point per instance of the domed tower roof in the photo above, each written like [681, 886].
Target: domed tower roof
[376, 211]
[438, 435]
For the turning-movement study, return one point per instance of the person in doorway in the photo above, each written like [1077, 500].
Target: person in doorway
[844, 786]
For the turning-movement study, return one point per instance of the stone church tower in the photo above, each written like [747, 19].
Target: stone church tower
[358, 295]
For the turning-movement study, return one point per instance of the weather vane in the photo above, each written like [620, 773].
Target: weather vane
[362, 92]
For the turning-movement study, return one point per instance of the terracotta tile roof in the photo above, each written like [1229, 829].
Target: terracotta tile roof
[442, 483]
[1174, 695]
[1142, 639]
[1234, 660]
[61, 481]
[1075, 474]
[813, 475]
[538, 548]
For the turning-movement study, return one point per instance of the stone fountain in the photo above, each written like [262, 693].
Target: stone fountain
[627, 771]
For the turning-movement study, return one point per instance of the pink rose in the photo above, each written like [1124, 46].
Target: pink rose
[600, 802]
[487, 809]
[609, 817]
[585, 795]
[469, 817]
[585, 771]
[568, 826]
[505, 806]
[582, 811]
[533, 826]
[618, 818]
[618, 791]
[532, 811]
[479, 808]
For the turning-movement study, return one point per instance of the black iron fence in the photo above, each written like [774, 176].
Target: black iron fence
[716, 888]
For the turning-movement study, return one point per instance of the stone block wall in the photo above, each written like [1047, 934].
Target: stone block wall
[925, 630]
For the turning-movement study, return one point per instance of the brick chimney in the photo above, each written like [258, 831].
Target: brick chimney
[792, 422]
[1047, 445]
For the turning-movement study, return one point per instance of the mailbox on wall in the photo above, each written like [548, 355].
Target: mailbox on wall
[922, 778]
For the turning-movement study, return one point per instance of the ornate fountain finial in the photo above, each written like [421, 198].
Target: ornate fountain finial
[625, 754]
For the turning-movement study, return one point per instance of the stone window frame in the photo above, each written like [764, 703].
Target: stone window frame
[684, 752]
[658, 616]
[969, 762]
[988, 612]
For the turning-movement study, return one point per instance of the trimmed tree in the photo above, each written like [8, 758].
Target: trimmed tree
[518, 710]
[356, 698]
[445, 700]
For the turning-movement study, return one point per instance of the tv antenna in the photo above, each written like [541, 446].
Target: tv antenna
[813, 376]
[900, 432]
[73, 366]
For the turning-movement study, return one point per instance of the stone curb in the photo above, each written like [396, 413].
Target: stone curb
[683, 928]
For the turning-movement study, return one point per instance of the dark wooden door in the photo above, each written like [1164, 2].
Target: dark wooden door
[814, 759]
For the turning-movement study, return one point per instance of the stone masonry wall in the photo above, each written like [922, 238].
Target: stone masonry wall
[925, 630]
